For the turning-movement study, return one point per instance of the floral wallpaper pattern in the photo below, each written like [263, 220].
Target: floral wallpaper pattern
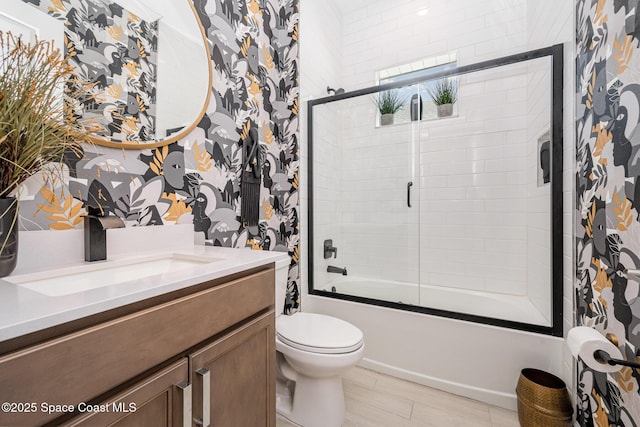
[254, 49]
[119, 52]
[608, 201]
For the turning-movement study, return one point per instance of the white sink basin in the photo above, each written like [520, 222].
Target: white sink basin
[71, 280]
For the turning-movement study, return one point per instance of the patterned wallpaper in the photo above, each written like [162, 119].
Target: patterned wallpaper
[254, 49]
[608, 201]
[119, 51]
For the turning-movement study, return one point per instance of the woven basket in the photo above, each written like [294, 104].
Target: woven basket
[543, 400]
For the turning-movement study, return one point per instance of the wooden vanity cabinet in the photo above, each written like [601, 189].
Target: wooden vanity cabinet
[162, 400]
[233, 377]
[158, 359]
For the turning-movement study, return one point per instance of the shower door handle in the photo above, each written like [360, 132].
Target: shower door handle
[409, 184]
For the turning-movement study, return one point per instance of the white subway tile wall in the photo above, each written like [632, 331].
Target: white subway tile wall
[476, 172]
[550, 22]
[539, 209]
[320, 66]
[466, 193]
[476, 167]
[384, 35]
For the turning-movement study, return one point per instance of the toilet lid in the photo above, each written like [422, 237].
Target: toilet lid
[318, 333]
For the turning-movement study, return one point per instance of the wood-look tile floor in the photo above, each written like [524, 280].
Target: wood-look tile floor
[378, 400]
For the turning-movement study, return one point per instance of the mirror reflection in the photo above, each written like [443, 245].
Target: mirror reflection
[149, 62]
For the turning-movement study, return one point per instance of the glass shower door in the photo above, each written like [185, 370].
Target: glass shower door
[457, 215]
[365, 200]
[486, 207]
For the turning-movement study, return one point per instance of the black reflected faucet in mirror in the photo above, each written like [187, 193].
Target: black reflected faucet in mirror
[95, 233]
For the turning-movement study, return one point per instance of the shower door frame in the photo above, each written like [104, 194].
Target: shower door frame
[556, 54]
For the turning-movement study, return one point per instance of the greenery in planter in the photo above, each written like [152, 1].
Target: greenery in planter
[389, 102]
[39, 124]
[36, 126]
[444, 92]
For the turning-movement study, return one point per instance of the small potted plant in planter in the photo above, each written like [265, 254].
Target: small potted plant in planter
[38, 125]
[444, 94]
[388, 103]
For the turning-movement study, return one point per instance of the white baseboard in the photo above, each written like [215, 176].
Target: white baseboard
[491, 397]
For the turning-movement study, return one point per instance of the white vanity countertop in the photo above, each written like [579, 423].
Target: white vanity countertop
[23, 311]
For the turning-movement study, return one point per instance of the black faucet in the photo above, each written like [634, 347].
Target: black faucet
[332, 269]
[95, 233]
[330, 249]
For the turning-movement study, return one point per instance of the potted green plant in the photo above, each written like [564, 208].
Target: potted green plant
[388, 102]
[37, 128]
[444, 94]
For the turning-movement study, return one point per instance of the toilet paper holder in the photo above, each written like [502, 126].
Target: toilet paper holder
[602, 355]
[606, 358]
[598, 352]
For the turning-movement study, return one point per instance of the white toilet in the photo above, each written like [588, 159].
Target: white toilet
[313, 351]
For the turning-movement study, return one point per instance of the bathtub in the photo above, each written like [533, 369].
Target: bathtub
[500, 306]
[475, 360]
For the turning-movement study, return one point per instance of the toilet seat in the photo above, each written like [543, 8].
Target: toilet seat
[317, 333]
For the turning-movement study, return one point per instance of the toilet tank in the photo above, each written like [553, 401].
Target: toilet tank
[282, 276]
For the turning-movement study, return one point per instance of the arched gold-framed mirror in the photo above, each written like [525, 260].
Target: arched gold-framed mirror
[150, 61]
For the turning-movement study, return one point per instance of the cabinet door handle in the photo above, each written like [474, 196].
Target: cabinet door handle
[205, 380]
[409, 184]
[184, 390]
